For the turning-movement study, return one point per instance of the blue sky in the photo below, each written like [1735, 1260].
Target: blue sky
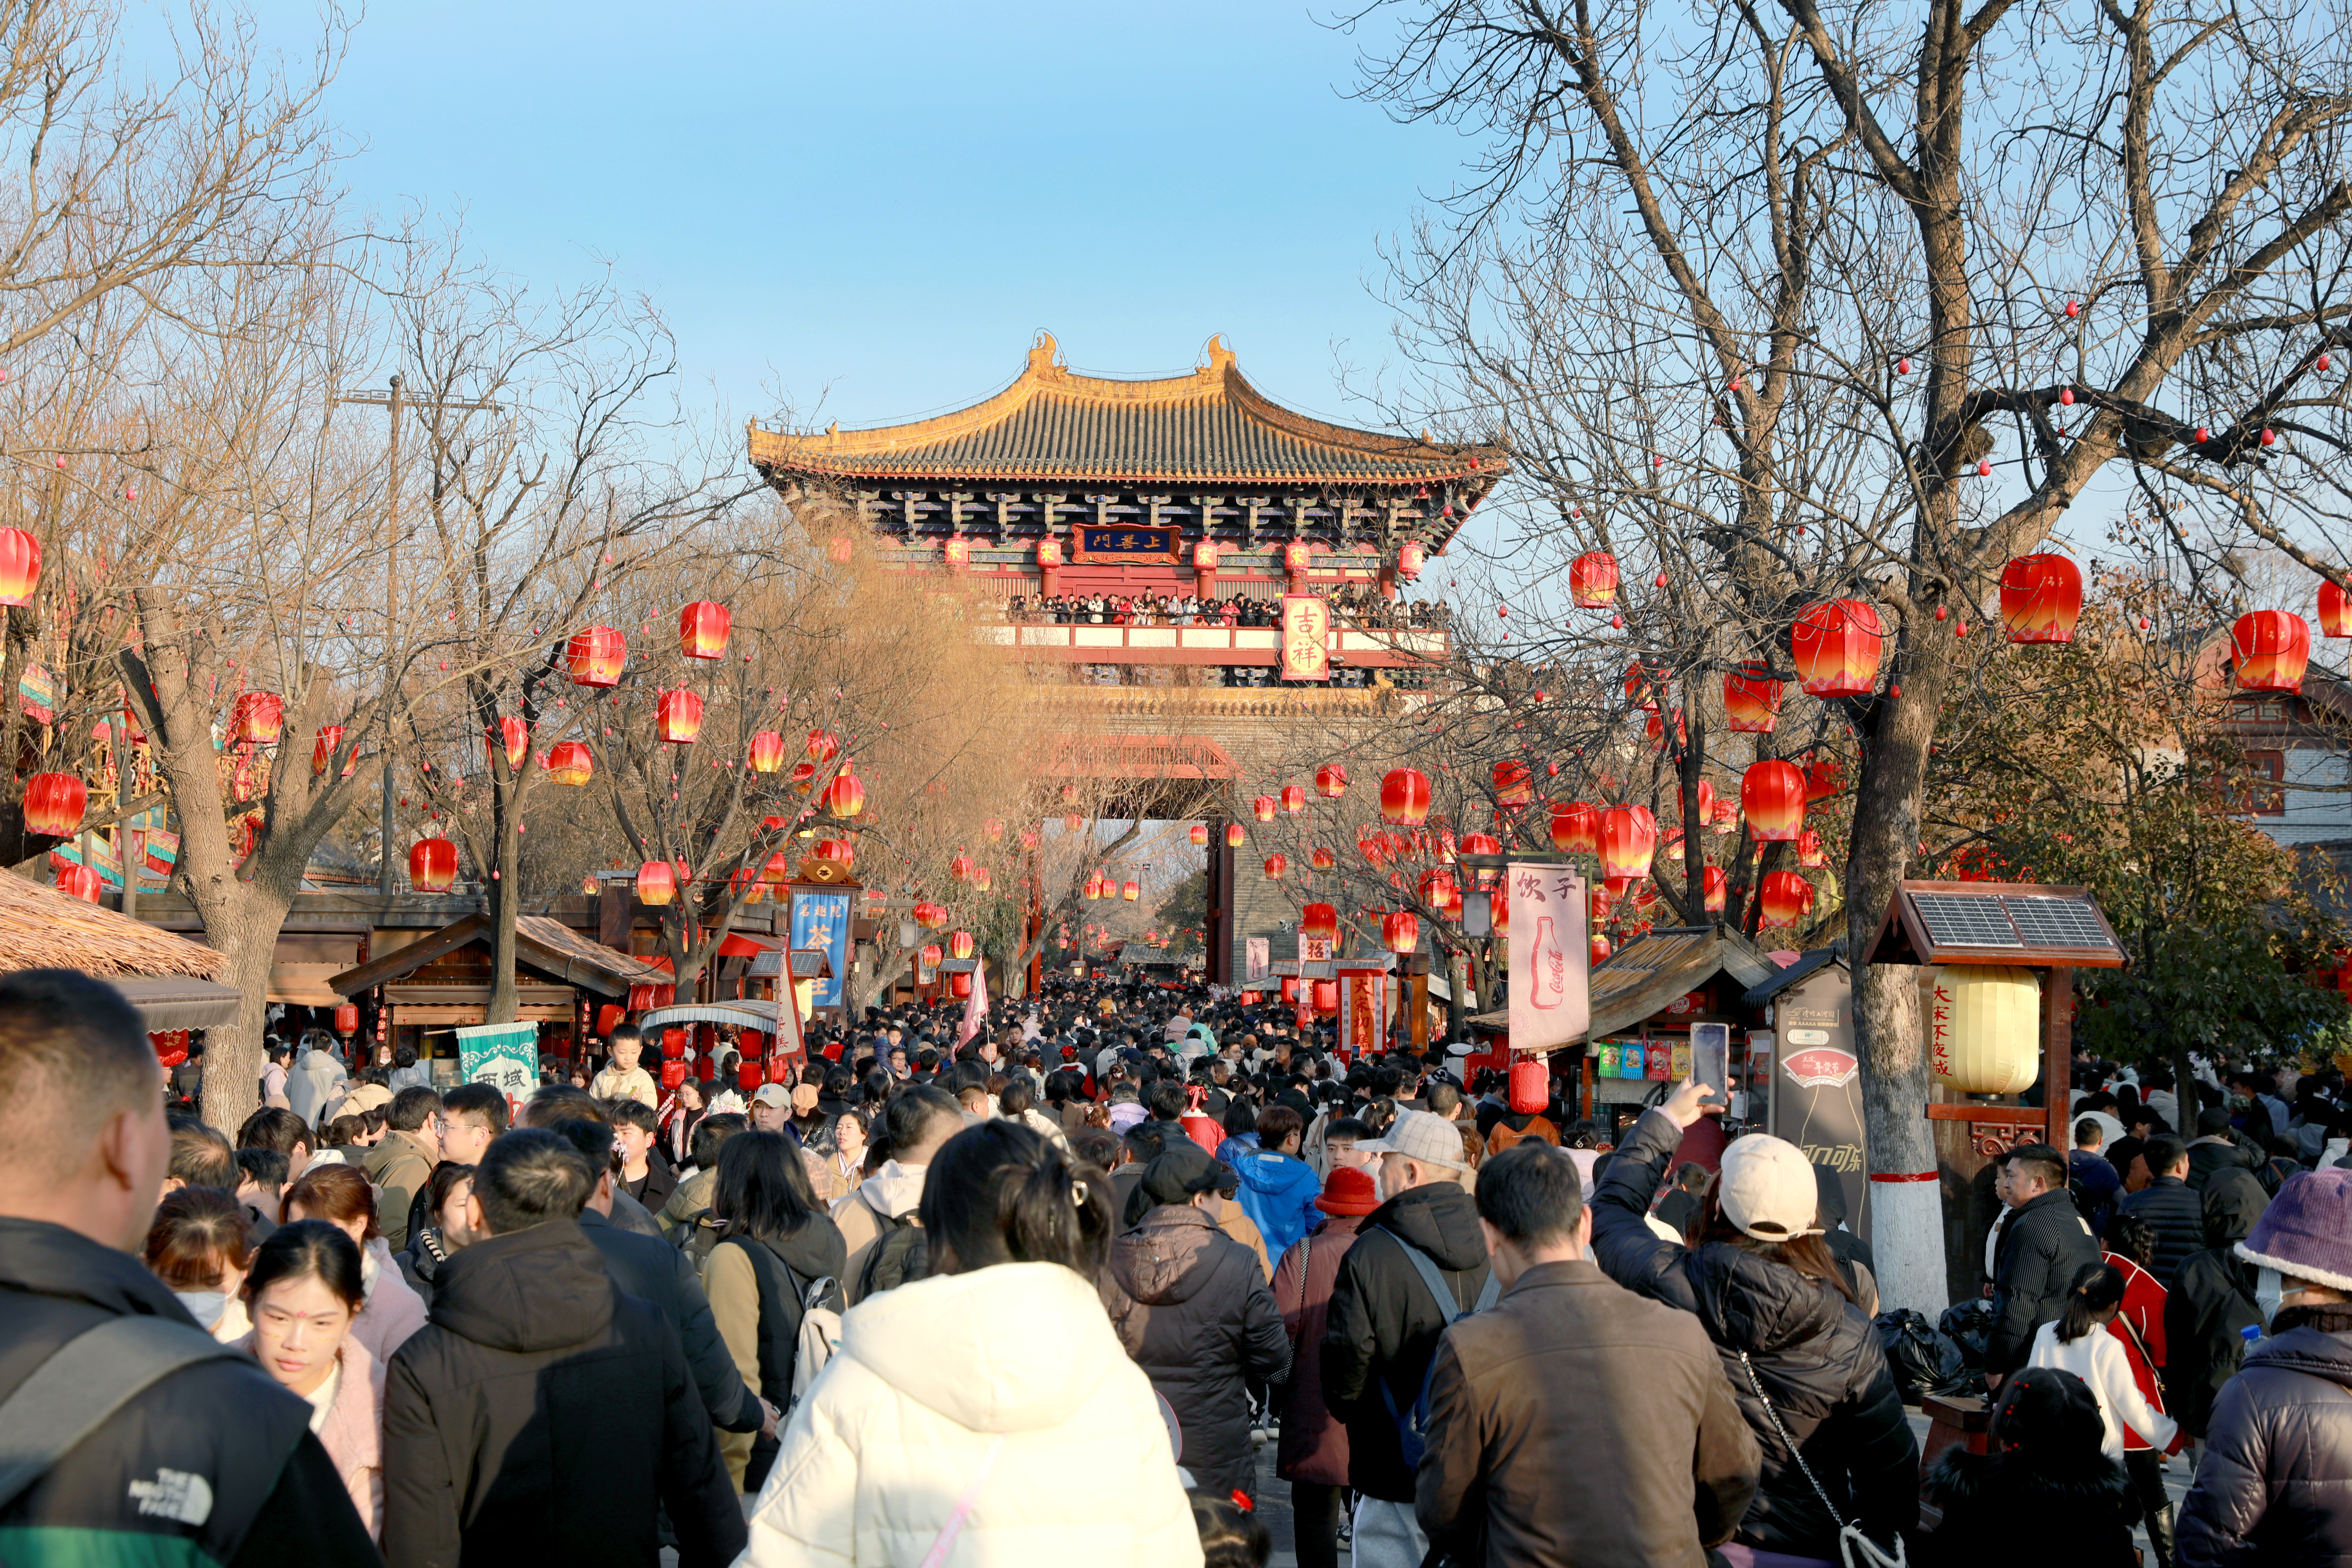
[878, 206]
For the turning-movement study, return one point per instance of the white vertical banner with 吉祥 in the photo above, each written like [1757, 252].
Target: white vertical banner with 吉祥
[1550, 1003]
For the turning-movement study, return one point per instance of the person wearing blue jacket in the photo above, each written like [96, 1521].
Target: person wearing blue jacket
[1279, 1189]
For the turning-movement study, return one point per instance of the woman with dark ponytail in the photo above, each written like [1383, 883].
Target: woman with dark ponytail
[2079, 1342]
[1018, 1232]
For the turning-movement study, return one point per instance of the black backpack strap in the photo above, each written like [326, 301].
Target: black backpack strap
[89, 1378]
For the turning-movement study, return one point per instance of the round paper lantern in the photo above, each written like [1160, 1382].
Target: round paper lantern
[702, 628]
[963, 868]
[1234, 835]
[1327, 997]
[1514, 785]
[513, 737]
[1751, 700]
[2041, 598]
[1718, 890]
[931, 955]
[1809, 851]
[1772, 799]
[347, 1018]
[1575, 828]
[823, 745]
[1411, 558]
[779, 868]
[1592, 580]
[20, 566]
[1130, 891]
[595, 656]
[844, 797]
[2335, 610]
[767, 753]
[1049, 552]
[258, 718]
[55, 804]
[569, 763]
[323, 746]
[1600, 950]
[80, 882]
[1275, 866]
[1331, 781]
[657, 882]
[960, 985]
[961, 944]
[1836, 644]
[803, 776]
[432, 865]
[1198, 833]
[1786, 897]
[1293, 799]
[1404, 796]
[2270, 649]
[1530, 1085]
[1264, 808]
[1400, 931]
[1319, 920]
[678, 717]
[1984, 1036]
[1441, 892]
[1629, 840]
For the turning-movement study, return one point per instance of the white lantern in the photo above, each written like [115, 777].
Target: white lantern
[1984, 1028]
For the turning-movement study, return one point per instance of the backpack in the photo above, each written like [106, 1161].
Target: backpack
[904, 1253]
[1412, 1425]
[815, 1310]
[1501, 1137]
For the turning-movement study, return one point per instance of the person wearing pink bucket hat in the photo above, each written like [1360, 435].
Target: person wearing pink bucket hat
[2275, 1486]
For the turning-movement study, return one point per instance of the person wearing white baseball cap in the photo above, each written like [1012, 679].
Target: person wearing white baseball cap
[1804, 1363]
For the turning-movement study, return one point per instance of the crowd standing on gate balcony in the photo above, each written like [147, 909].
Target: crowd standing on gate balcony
[1095, 1286]
[1353, 605]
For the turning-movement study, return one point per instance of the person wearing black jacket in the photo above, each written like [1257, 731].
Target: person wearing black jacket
[2219, 1146]
[543, 1416]
[1801, 1357]
[212, 1463]
[1381, 1328]
[2169, 1206]
[2211, 1305]
[2044, 1245]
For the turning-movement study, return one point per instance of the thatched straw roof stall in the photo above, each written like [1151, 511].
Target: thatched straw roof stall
[173, 983]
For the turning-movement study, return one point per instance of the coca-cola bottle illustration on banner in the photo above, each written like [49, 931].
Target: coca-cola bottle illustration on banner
[1547, 968]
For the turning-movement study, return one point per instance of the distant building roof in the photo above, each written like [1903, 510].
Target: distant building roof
[1210, 426]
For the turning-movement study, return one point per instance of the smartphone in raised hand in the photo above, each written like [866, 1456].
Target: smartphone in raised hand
[1711, 1060]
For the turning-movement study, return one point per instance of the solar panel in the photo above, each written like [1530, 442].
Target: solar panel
[2058, 922]
[1958, 919]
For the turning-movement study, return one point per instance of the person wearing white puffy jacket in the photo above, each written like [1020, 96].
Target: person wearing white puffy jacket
[923, 1438]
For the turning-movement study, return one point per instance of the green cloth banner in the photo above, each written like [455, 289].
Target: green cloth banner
[503, 1055]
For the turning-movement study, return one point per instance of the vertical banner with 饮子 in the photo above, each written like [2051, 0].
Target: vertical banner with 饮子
[1306, 638]
[1550, 1000]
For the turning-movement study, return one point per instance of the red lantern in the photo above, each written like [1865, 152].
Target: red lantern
[803, 776]
[2270, 649]
[1706, 801]
[570, 762]
[1751, 700]
[1772, 797]
[1130, 891]
[1718, 890]
[993, 829]
[513, 736]
[322, 748]
[1809, 851]
[1322, 858]
[1514, 785]
[1070, 824]
[2041, 598]
[1575, 828]
[961, 868]
[931, 955]
[1823, 779]
[258, 718]
[678, 717]
[2335, 610]
[957, 551]
[823, 745]
[347, 1018]
[840, 851]
[1297, 558]
[1235, 836]
[766, 753]
[1639, 688]
[432, 865]
[702, 628]
[931, 916]
[55, 804]
[1786, 898]
[80, 882]
[1404, 796]
[1411, 558]
[1199, 833]
[20, 566]
[844, 797]
[1327, 997]
[657, 882]
[779, 868]
[960, 945]
[595, 656]
[1319, 920]
[1293, 799]
[1441, 892]
[1836, 644]
[1331, 781]
[1275, 866]
[1600, 950]
[1400, 931]
[1530, 1087]
[1592, 580]
[960, 985]
[1629, 841]
[1290, 989]
[1264, 808]
[1049, 552]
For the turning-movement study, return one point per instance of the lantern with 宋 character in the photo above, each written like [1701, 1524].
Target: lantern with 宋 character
[702, 628]
[595, 656]
[569, 763]
[1984, 1028]
[1772, 797]
[767, 753]
[2041, 598]
[55, 804]
[1404, 796]
[432, 865]
[2270, 649]
[1836, 644]
[678, 717]
[1751, 700]
[1411, 558]
[656, 883]
[1575, 828]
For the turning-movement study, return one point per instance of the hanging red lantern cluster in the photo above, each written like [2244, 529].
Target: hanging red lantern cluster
[570, 762]
[258, 718]
[1331, 781]
[678, 717]
[432, 865]
[1404, 796]
[595, 656]
[1751, 700]
[1772, 799]
[702, 628]
[20, 566]
[2271, 649]
[55, 805]
[767, 753]
[1592, 580]
[2041, 598]
[1836, 645]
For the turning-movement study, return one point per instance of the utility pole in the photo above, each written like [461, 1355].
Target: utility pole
[396, 400]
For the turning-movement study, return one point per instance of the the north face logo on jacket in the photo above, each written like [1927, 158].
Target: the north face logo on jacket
[174, 1495]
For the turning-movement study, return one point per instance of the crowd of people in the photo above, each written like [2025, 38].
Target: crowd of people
[1353, 605]
[1090, 1286]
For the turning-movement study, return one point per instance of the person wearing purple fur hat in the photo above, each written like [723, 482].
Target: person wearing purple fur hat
[2275, 1487]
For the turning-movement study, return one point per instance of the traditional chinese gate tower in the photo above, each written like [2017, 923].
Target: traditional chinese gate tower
[1069, 485]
